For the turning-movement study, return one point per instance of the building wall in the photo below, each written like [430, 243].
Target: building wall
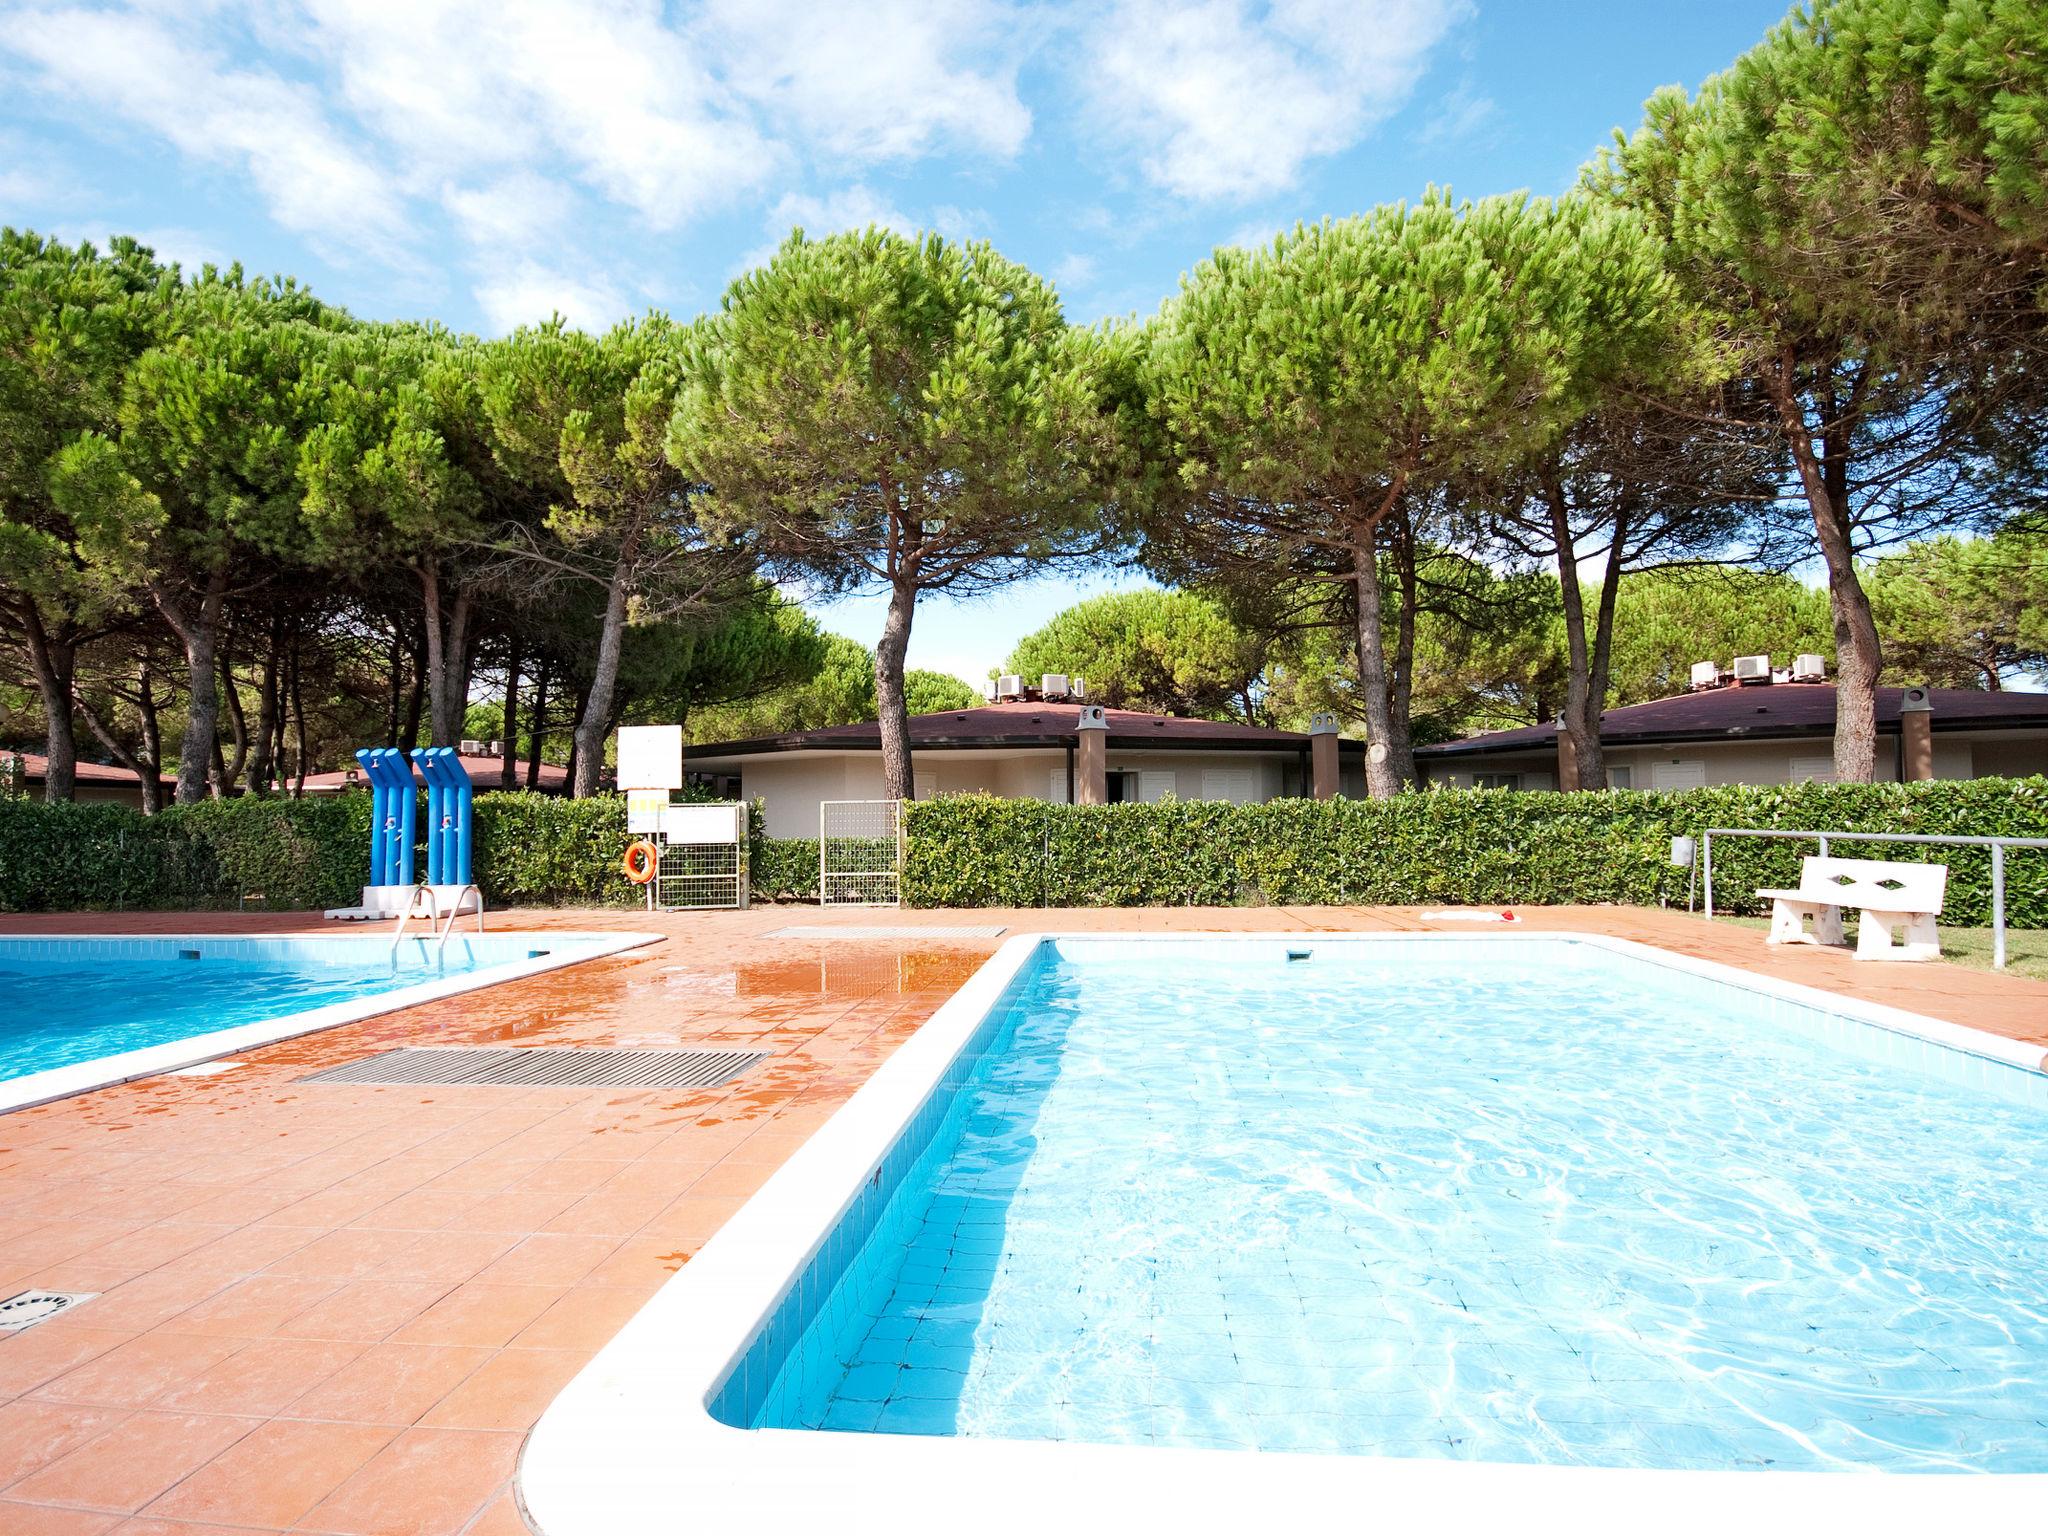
[2007, 759]
[791, 789]
[1748, 762]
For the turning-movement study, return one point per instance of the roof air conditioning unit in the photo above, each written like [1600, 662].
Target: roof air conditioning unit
[1053, 685]
[1705, 674]
[472, 749]
[1080, 687]
[1752, 669]
[1010, 686]
[988, 688]
[1809, 668]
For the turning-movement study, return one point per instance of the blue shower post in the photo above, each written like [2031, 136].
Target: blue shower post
[394, 823]
[449, 816]
[379, 809]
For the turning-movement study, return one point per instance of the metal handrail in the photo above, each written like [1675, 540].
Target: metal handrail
[1997, 845]
[441, 934]
[412, 906]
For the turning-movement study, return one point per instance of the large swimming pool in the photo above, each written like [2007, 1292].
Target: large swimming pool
[1522, 1202]
[71, 1002]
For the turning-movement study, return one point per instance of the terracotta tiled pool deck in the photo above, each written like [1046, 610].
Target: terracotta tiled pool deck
[340, 1308]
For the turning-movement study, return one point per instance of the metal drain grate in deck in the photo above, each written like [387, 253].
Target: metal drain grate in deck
[880, 931]
[544, 1067]
[31, 1307]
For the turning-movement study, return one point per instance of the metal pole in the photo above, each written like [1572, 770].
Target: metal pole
[1998, 906]
[1707, 873]
[1823, 845]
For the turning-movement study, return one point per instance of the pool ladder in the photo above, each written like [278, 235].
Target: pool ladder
[435, 926]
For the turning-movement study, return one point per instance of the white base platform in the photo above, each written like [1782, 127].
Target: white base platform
[387, 901]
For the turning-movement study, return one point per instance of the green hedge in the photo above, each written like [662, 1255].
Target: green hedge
[1488, 847]
[531, 850]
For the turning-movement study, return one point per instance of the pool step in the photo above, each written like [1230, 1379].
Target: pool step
[545, 1067]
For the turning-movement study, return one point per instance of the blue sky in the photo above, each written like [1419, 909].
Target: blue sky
[485, 162]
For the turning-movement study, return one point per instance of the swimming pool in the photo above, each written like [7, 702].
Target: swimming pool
[82, 1010]
[1562, 1203]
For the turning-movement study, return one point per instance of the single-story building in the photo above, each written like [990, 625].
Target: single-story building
[1027, 750]
[1765, 732]
[92, 781]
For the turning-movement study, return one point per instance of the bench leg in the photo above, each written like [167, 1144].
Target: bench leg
[1898, 936]
[1788, 922]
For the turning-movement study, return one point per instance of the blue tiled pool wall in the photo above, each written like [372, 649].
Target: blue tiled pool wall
[797, 1354]
[796, 1357]
[462, 951]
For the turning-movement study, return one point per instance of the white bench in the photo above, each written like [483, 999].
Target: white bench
[1899, 904]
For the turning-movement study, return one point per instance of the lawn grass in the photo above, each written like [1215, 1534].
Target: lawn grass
[2026, 949]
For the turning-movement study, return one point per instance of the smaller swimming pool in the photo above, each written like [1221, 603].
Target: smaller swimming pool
[78, 1011]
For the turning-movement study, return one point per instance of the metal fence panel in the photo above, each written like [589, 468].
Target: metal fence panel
[860, 853]
[694, 875]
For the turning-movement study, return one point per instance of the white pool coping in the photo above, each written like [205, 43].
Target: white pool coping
[149, 1061]
[631, 1446]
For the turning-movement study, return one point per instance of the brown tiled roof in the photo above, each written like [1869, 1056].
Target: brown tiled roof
[483, 775]
[1023, 724]
[34, 765]
[1762, 712]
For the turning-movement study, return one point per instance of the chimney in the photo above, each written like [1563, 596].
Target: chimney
[1916, 736]
[1091, 759]
[1567, 759]
[1322, 756]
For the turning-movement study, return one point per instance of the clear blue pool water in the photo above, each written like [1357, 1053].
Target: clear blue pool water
[64, 1001]
[1529, 1202]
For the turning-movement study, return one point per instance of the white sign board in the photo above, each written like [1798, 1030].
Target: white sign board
[650, 757]
[703, 823]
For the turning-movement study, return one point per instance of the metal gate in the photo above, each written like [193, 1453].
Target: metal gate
[700, 857]
[860, 853]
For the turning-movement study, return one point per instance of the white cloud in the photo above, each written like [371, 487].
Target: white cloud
[515, 211]
[607, 86]
[854, 207]
[1074, 271]
[1229, 98]
[1463, 114]
[131, 65]
[526, 293]
[879, 81]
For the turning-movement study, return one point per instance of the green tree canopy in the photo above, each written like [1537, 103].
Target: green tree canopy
[1173, 652]
[1859, 201]
[72, 323]
[1964, 613]
[909, 414]
[1667, 620]
[1317, 391]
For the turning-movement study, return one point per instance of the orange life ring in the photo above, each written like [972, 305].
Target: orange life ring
[641, 860]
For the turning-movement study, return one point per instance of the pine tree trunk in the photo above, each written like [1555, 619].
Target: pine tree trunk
[197, 630]
[447, 657]
[1581, 712]
[1389, 753]
[597, 704]
[55, 662]
[238, 723]
[508, 727]
[1859, 653]
[536, 720]
[303, 754]
[263, 759]
[893, 712]
[152, 743]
